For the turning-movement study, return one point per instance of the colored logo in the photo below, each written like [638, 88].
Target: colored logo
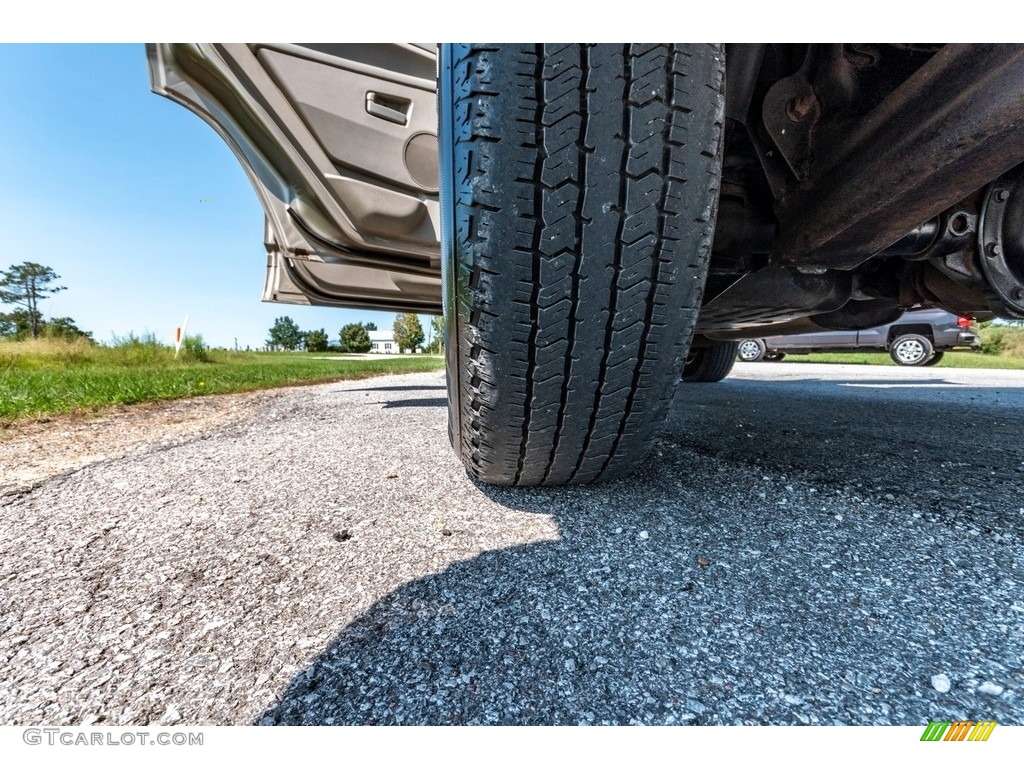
[959, 730]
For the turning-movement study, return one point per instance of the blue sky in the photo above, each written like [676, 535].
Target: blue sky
[101, 179]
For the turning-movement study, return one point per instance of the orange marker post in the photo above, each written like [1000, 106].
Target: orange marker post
[179, 336]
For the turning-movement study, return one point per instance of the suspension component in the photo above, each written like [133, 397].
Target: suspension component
[1001, 242]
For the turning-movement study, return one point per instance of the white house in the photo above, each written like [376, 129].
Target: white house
[383, 343]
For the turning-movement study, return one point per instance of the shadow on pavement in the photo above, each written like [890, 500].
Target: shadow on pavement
[406, 388]
[431, 402]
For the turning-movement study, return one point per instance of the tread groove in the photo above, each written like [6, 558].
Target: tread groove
[652, 294]
[538, 221]
[616, 269]
[578, 255]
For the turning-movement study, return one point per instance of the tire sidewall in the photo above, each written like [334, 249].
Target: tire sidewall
[449, 269]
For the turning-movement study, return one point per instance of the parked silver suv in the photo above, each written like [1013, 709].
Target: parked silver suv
[917, 338]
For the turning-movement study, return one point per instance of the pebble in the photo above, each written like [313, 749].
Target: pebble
[644, 535]
[992, 689]
[940, 683]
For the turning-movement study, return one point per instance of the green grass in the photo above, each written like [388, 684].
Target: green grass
[45, 377]
[950, 360]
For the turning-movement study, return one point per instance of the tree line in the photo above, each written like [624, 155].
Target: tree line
[25, 285]
[407, 330]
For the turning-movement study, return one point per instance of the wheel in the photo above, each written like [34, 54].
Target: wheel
[935, 359]
[578, 197]
[911, 349]
[710, 364]
[752, 350]
[774, 357]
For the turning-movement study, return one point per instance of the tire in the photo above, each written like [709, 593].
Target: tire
[774, 357]
[936, 359]
[710, 364]
[579, 185]
[752, 350]
[910, 349]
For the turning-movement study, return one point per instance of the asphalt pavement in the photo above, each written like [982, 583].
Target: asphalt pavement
[807, 544]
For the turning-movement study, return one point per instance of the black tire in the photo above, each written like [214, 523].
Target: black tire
[774, 357]
[910, 349]
[751, 350]
[710, 364]
[936, 359]
[579, 188]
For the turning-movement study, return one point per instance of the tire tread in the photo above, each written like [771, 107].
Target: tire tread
[585, 187]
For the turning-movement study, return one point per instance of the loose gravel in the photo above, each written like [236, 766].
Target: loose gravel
[807, 544]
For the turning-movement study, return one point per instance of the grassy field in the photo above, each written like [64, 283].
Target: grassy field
[50, 376]
[44, 377]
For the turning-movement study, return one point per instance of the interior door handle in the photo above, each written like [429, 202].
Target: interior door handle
[390, 108]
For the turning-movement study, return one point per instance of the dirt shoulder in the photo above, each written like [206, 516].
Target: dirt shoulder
[32, 451]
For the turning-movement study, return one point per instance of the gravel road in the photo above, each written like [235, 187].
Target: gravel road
[807, 544]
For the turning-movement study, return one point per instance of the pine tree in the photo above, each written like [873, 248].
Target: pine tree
[25, 285]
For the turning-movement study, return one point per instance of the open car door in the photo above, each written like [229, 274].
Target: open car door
[340, 143]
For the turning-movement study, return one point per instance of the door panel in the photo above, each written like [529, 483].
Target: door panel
[362, 122]
[339, 141]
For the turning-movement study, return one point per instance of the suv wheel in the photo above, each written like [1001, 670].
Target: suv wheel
[578, 189]
[911, 349]
[752, 350]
